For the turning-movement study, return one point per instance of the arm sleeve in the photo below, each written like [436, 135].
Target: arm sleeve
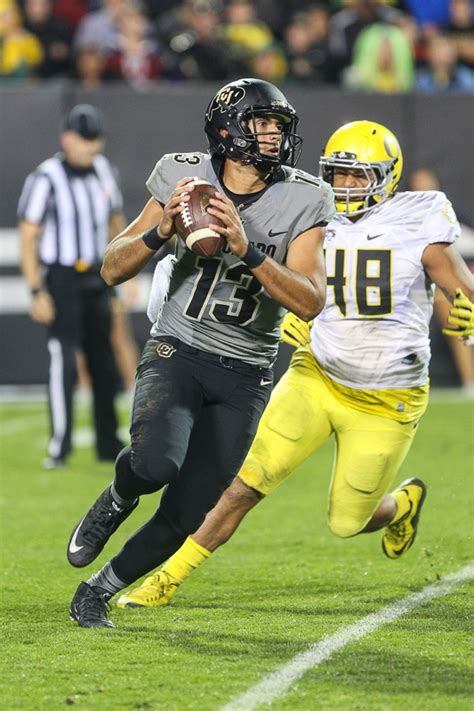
[34, 198]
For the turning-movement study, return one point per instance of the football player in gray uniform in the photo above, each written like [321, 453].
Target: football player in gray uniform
[205, 375]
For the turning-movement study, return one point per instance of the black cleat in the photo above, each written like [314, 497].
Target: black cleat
[92, 532]
[90, 606]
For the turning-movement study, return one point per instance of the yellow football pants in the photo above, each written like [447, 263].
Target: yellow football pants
[302, 413]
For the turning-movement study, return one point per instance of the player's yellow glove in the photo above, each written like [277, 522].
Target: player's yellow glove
[294, 330]
[461, 314]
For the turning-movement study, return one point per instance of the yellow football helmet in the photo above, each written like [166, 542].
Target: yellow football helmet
[366, 146]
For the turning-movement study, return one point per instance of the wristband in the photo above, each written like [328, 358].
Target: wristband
[152, 240]
[253, 257]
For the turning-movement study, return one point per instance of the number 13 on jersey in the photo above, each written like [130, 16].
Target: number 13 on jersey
[366, 283]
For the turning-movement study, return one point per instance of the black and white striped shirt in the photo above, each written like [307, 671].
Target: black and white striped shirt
[74, 209]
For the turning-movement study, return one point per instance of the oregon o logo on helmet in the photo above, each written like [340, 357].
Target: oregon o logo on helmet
[228, 96]
[391, 146]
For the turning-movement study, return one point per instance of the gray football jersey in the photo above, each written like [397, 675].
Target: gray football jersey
[216, 304]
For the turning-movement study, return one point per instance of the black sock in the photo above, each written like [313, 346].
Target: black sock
[123, 503]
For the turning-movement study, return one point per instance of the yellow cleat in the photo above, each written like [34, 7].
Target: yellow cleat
[155, 590]
[401, 533]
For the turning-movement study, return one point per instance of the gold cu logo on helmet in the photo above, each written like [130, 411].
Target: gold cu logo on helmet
[225, 95]
[228, 96]
[165, 350]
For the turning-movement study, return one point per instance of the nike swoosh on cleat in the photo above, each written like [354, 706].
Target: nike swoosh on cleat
[72, 546]
[275, 234]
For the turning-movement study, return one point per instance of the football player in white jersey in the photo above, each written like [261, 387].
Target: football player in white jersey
[361, 373]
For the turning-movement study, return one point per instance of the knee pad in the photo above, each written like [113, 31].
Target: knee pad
[128, 483]
[151, 465]
[123, 464]
[343, 526]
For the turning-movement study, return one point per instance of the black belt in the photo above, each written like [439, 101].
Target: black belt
[232, 363]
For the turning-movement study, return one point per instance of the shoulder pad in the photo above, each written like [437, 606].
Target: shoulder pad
[295, 175]
[192, 158]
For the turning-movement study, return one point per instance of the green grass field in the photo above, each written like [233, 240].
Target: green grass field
[282, 583]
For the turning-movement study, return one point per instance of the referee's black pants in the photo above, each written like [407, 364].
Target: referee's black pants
[83, 321]
[194, 418]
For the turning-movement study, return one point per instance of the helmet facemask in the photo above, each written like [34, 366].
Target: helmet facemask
[249, 142]
[358, 200]
[235, 108]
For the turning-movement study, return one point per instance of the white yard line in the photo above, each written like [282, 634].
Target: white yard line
[278, 683]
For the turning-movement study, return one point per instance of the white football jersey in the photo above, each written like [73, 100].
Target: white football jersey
[374, 330]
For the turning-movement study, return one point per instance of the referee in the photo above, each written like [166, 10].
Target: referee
[68, 209]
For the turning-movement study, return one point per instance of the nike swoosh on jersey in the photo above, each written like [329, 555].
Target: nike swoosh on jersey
[275, 234]
[265, 382]
[72, 546]
[375, 236]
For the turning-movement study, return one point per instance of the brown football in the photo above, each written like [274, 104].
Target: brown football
[192, 224]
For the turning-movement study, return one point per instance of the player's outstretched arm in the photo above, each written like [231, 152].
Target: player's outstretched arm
[300, 285]
[447, 269]
[133, 248]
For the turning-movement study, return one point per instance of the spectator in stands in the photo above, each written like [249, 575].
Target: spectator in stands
[195, 37]
[71, 12]
[136, 58]
[463, 357]
[156, 8]
[100, 28]
[306, 43]
[382, 61]
[443, 72]
[460, 30]
[428, 12]
[270, 64]
[53, 35]
[250, 36]
[90, 66]
[20, 51]
[345, 26]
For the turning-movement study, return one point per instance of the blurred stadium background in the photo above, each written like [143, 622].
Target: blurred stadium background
[152, 66]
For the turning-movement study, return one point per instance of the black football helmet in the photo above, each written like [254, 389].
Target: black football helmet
[235, 108]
